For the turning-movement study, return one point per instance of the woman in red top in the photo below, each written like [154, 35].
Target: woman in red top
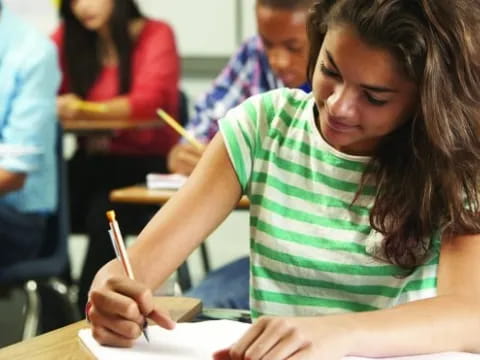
[111, 54]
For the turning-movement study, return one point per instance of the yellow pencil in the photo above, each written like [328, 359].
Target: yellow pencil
[91, 106]
[180, 129]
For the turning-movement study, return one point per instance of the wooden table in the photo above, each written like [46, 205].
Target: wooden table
[64, 343]
[140, 194]
[99, 126]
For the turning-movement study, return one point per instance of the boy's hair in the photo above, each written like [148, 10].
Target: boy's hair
[427, 172]
[81, 47]
[286, 4]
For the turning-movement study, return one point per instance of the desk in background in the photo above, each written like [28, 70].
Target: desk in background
[140, 194]
[64, 343]
[101, 126]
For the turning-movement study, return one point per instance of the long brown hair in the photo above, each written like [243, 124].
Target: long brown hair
[81, 49]
[427, 172]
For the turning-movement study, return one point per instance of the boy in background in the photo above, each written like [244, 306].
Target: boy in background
[274, 58]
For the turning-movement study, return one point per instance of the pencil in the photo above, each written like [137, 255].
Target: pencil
[180, 129]
[121, 252]
[91, 106]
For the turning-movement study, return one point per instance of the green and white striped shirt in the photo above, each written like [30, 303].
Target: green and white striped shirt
[312, 252]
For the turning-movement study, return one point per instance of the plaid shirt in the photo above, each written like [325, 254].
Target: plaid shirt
[247, 73]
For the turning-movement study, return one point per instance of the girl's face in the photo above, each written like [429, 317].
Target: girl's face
[93, 14]
[360, 92]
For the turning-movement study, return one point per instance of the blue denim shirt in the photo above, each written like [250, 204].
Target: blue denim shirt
[29, 79]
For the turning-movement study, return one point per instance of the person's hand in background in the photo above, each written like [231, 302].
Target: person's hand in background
[67, 106]
[183, 158]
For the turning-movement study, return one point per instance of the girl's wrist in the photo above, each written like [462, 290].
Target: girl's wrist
[351, 333]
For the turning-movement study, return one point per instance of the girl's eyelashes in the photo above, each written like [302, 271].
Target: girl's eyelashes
[328, 72]
[333, 74]
[374, 101]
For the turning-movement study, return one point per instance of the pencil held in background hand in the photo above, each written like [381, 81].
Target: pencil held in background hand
[180, 129]
[121, 252]
[91, 106]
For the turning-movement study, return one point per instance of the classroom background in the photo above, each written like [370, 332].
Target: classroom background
[207, 34]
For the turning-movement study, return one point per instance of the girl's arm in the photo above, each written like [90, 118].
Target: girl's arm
[209, 195]
[448, 322]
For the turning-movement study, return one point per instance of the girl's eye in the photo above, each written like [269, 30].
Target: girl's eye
[328, 72]
[374, 101]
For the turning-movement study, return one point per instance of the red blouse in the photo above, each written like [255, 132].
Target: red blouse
[154, 84]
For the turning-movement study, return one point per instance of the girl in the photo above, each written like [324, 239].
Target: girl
[364, 233]
[111, 55]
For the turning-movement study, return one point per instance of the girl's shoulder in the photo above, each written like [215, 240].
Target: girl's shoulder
[152, 28]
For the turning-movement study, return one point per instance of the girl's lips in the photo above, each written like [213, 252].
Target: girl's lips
[340, 126]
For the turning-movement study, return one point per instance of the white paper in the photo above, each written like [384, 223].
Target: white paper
[188, 341]
[199, 340]
[165, 181]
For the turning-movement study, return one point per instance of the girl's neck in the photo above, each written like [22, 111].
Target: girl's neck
[108, 52]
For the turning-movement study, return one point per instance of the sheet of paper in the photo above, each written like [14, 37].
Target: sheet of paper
[198, 341]
[165, 181]
[188, 341]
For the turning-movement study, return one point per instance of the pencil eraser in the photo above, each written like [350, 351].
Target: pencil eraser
[111, 215]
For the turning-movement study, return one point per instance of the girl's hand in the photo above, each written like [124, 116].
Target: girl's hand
[119, 309]
[293, 338]
[67, 106]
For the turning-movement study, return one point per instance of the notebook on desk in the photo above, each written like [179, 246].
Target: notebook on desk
[199, 340]
[165, 181]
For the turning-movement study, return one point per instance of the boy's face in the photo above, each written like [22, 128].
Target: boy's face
[361, 94]
[284, 37]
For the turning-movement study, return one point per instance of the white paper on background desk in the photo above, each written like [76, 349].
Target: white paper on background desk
[199, 340]
[165, 181]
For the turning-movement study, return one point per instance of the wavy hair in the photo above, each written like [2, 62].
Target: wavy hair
[427, 171]
[81, 47]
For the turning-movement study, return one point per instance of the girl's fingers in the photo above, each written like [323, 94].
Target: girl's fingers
[124, 329]
[113, 304]
[162, 318]
[132, 290]
[238, 350]
[289, 345]
[223, 354]
[105, 336]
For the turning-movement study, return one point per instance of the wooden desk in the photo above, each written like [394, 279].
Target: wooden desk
[96, 126]
[139, 194]
[64, 343]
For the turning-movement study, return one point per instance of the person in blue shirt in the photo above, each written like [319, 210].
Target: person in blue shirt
[275, 57]
[29, 79]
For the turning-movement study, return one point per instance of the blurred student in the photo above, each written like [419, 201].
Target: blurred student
[29, 79]
[274, 58]
[127, 64]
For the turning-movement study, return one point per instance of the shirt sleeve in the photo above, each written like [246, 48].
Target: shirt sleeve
[234, 84]
[32, 117]
[156, 72]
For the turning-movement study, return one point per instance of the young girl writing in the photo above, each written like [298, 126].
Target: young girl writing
[364, 233]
